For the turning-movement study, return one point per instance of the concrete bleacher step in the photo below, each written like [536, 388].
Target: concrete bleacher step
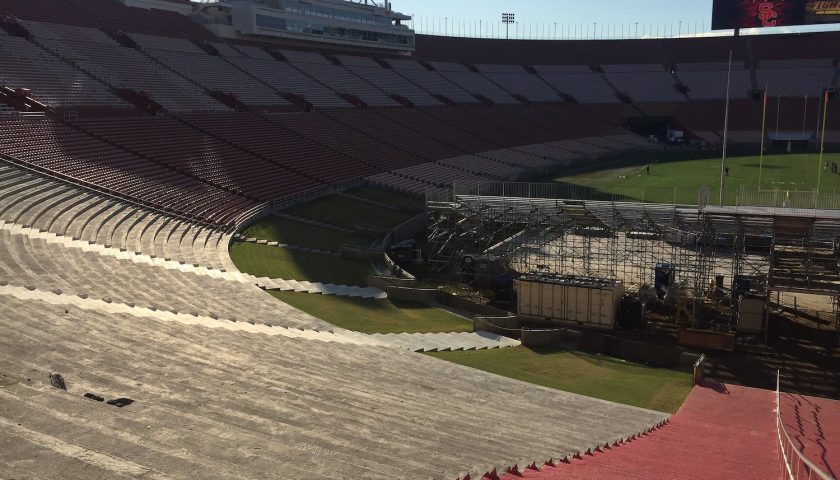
[226, 404]
[44, 203]
[282, 284]
[108, 306]
[431, 342]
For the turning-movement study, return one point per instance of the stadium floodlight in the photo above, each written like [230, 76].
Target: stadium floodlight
[507, 19]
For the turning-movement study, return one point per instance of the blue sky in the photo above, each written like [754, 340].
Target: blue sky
[573, 18]
[609, 14]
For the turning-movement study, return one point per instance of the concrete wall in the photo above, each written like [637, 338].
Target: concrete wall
[435, 296]
[631, 350]
[555, 337]
[385, 282]
[419, 295]
[461, 303]
[507, 326]
[410, 228]
[361, 253]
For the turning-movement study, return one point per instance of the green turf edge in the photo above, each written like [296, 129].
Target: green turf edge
[376, 316]
[275, 262]
[581, 373]
[291, 232]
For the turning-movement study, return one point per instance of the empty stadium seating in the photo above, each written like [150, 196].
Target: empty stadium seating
[25, 65]
[215, 74]
[516, 80]
[431, 81]
[579, 82]
[183, 149]
[280, 145]
[117, 209]
[473, 82]
[552, 114]
[796, 78]
[706, 80]
[76, 155]
[643, 83]
[388, 81]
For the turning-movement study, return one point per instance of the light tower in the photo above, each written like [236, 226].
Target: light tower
[507, 19]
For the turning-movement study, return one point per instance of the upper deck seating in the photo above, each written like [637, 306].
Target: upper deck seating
[51, 81]
[387, 80]
[251, 51]
[338, 78]
[215, 73]
[115, 16]
[707, 81]
[46, 11]
[643, 83]
[431, 81]
[287, 79]
[473, 82]
[515, 79]
[95, 52]
[796, 78]
[578, 81]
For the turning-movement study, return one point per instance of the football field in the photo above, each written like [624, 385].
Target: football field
[680, 180]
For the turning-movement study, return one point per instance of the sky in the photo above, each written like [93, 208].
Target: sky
[573, 18]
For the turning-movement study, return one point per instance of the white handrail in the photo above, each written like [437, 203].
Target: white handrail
[810, 470]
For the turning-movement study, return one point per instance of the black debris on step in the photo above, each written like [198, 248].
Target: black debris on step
[94, 396]
[57, 381]
[120, 402]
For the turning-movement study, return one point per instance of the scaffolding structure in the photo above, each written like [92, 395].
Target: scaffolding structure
[479, 230]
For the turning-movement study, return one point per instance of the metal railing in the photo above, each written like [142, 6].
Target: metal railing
[796, 466]
[699, 369]
[749, 197]
[667, 195]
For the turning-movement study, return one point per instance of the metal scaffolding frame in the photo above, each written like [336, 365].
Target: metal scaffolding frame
[515, 228]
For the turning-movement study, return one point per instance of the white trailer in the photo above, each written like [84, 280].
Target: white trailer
[568, 300]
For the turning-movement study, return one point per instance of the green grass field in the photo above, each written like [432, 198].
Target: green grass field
[346, 212]
[376, 316]
[784, 172]
[389, 197]
[273, 262]
[283, 230]
[594, 376]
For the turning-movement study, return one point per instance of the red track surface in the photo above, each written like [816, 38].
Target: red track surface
[721, 432]
[814, 426]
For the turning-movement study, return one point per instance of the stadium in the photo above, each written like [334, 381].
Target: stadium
[305, 239]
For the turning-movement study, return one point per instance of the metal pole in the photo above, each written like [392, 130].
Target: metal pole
[763, 132]
[805, 115]
[822, 140]
[778, 110]
[725, 129]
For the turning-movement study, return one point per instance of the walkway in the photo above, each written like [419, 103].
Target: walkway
[721, 432]
[814, 426]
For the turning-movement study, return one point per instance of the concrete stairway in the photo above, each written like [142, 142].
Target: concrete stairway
[233, 276]
[50, 205]
[46, 262]
[217, 403]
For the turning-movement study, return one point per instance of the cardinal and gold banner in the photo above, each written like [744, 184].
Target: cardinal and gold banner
[729, 14]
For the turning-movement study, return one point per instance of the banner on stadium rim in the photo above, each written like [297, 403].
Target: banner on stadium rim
[730, 14]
